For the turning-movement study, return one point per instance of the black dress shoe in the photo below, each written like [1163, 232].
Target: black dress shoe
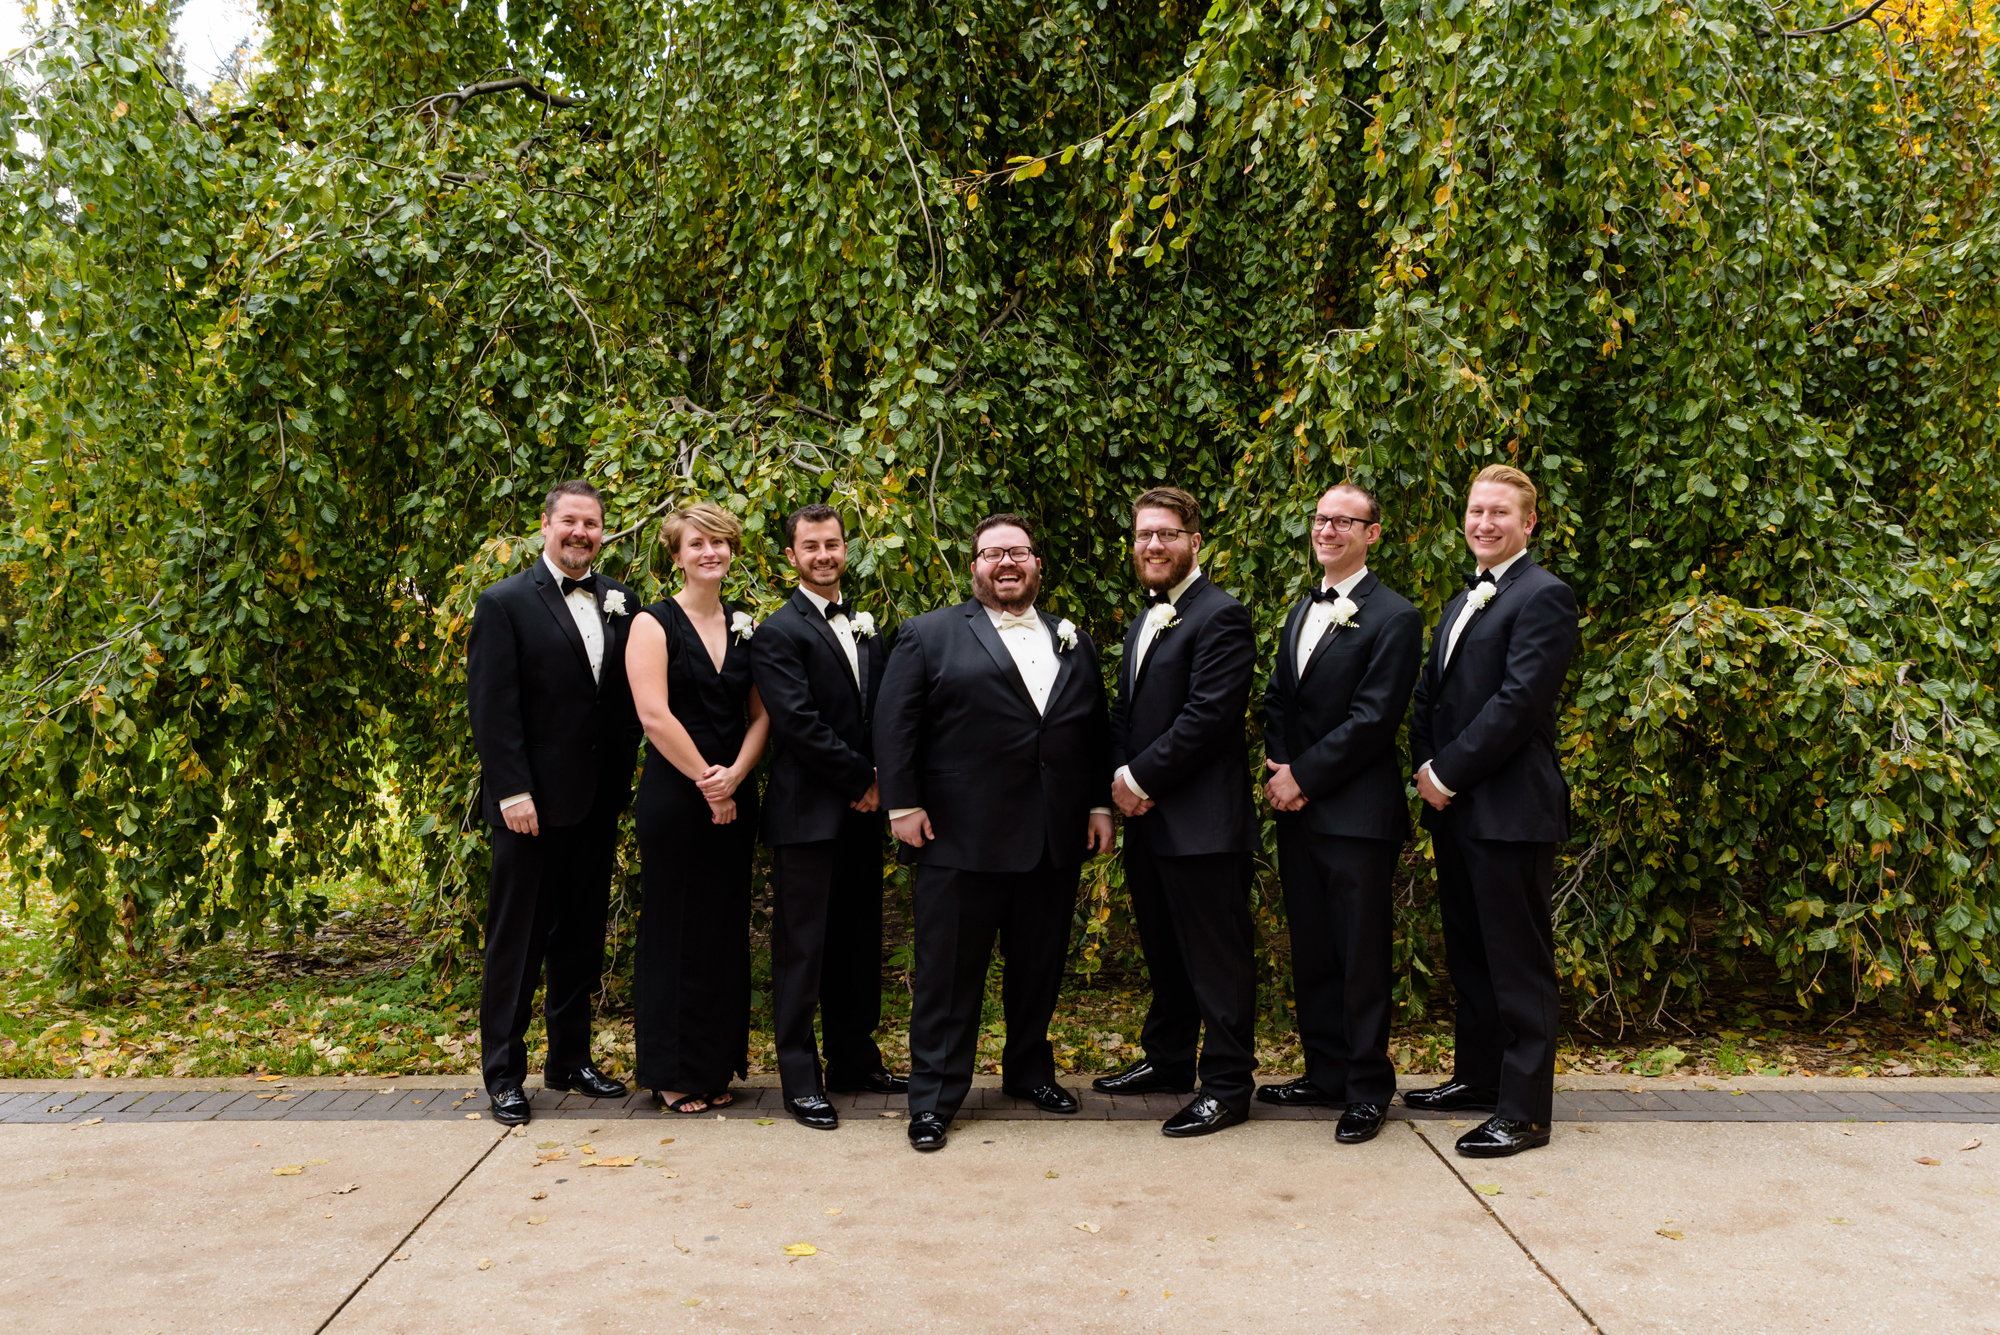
[875, 1082]
[1202, 1117]
[510, 1107]
[587, 1081]
[1049, 1098]
[813, 1111]
[1142, 1077]
[1300, 1093]
[927, 1131]
[1360, 1123]
[1451, 1096]
[1498, 1137]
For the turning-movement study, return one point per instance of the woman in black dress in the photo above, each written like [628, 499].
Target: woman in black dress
[688, 660]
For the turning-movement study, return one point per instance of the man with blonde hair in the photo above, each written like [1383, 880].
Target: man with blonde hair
[1483, 739]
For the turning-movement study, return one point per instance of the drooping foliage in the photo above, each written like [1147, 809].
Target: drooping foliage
[289, 372]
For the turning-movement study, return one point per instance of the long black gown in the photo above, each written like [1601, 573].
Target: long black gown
[692, 1022]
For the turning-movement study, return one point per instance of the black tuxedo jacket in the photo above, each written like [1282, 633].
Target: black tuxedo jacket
[1181, 726]
[956, 733]
[1487, 722]
[541, 725]
[823, 750]
[1336, 725]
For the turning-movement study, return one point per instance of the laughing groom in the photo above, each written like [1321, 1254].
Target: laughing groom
[553, 722]
[1483, 739]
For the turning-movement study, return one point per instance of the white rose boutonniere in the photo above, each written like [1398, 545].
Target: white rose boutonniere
[1481, 595]
[1344, 611]
[741, 626]
[1162, 617]
[1066, 633]
[614, 603]
[863, 625]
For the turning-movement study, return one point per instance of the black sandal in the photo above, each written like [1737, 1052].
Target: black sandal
[722, 1100]
[679, 1105]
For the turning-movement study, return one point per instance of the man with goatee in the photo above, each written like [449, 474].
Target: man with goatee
[1183, 783]
[993, 757]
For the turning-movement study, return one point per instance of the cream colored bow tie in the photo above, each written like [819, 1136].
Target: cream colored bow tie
[1009, 620]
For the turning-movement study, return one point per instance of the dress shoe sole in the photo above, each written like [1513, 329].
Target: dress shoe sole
[572, 1089]
[817, 1123]
[1349, 1138]
[1206, 1129]
[510, 1118]
[1045, 1107]
[1501, 1151]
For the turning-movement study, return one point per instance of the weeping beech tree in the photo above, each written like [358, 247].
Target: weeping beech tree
[288, 372]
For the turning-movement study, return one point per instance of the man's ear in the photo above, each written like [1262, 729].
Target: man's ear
[1196, 535]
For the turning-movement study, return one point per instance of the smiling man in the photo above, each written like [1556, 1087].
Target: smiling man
[1483, 739]
[556, 732]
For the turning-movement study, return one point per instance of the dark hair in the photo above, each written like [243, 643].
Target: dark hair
[1171, 498]
[576, 486]
[995, 521]
[1374, 506]
[816, 513]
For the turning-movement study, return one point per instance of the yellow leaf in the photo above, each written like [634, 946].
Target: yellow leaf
[313, 1161]
[288, 1170]
[766, 1121]
[1926, 1159]
[1030, 171]
[833, 1210]
[1087, 1228]
[485, 1263]
[1052, 1173]
[1487, 1188]
[268, 1078]
[802, 1249]
[1443, 195]
[539, 1219]
[1673, 1233]
[622, 1161]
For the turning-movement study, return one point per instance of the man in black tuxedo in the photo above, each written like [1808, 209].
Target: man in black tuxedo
[553, 722]
[818, 667]
[1179, 740]
[994, 753]
[1484, 743]
[1346, 662]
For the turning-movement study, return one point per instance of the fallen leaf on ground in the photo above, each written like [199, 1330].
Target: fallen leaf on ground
[553, 1144]
[668, 1141]
[670, 1173]
[1536, 1194]
[485, 1263]
[400, 1256]
[675, 1239]
[348, 1189]
[1673, 1233]
[766, 1121]
[888, 1114]
[802, 1249]
[1591, 1130]
[93, 1121]
[329, 1216]
[54, 1176]
[583, 1148]
[266, 1079]
[1458, 1124]
[1087, 1228]
[690, 1302]
[539, 1196]
[619, 1161]
[1835, 1219]
[1487, 1188]
[1926, 1159]
[835, 1209]
[538, 1219]
[314, 1161]
[288, 1170]
[1052, 1174]
[472, 1117]
[743, 1205]
[1972, 1144]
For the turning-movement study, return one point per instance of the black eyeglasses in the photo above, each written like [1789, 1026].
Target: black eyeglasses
[1339, 523]
[1020, 556]
[1166, 535]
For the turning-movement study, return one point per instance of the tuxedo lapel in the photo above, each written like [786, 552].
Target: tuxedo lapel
[1064, 665]
[1188, 597]
[1288, 651]
[1359, 597]
[610, 624]
[545, 585]
[983, 631]
[818, 622]
[861, 643]
[1500, 587]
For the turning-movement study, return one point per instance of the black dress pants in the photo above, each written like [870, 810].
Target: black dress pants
[958, 916]
[1194, 925]
[1337, 902]
[1499, 944]
[545, 904]
[826, 955]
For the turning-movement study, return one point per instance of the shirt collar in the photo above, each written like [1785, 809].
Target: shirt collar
[994, 614]
[557, 571]
[1500, 570]
[1346, 587]
[818, 602]
[1174, 594]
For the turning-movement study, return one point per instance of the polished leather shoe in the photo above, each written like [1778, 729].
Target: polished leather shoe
[1498, 1137]
[587, 1081]
[1202, 1117]
[510, 1107]
[1049, 1098]
[1360, 1123]
[1300, 1093]
[1451, 1096]
[927, 1131]
[875, 1082]
[813, 1111]
[1142, 1077]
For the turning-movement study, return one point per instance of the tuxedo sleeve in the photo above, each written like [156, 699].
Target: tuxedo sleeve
[1538, 653]
[1225, 660]
[1116, 729]
[493, 697]
[899, 723]
[1278, 702]
[778, 663]
[1374, 712]
[1099, 755]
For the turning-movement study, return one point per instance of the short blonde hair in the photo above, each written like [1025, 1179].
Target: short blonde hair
[1509, 476]
[707, 516]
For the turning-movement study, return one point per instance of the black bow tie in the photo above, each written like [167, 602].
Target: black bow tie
[1483, 577]
[840, 610]
[588, 584]
[1325, 595]
[1158, 596]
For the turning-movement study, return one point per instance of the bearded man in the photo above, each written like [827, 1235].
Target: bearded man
[993, 757]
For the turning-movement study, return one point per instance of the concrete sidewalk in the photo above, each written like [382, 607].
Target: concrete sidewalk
[1018, 1225]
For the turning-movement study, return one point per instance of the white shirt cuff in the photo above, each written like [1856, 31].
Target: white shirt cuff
[1125, 773]
[1101, 811]
[1436, 780]
[515, 800]
[901, 812]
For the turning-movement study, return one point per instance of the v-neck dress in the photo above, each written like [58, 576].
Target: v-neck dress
[692, 1004]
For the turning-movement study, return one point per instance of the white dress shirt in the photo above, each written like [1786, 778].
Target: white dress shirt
[1145, 642]
[1320, 616]
[842, 631]
[1033, 650]
[589, 624]
[1465, 614]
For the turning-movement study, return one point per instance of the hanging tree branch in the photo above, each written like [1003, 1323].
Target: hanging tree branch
[1861, 16]
[447, 104]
